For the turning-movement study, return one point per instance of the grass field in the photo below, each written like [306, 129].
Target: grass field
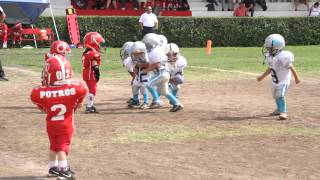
[233, 59]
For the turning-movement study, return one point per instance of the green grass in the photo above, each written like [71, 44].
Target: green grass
[182, 133]
[246, 59]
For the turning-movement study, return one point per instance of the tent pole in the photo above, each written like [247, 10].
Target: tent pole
[34, 38]
[54, 22]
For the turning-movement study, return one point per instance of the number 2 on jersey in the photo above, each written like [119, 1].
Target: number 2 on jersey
[60, 115]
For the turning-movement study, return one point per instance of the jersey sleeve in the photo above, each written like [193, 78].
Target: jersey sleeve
[82, 91]
[182, 63]
[128, 64]
[95, 56]
[287, 59]
[35, 98]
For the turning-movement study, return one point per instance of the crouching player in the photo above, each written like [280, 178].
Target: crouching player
[59, 98]
[176, 63]
[159, 73]
[280, 67]
[91, 61]
[140, 79]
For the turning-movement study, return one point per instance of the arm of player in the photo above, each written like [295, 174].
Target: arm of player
[95, 68]
[152, 67]
[295, 74]
[265, 74]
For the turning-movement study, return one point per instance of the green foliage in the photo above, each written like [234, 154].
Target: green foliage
[194, 32]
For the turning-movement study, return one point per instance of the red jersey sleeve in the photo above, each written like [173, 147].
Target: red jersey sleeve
[82, 91]
[35, 98]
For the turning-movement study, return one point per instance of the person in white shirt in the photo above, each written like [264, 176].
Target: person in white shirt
[148, 22]
[315, 10]
[280, 66]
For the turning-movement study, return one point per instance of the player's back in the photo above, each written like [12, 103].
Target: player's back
[59, 102]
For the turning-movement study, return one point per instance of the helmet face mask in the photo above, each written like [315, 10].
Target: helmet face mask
[138, 52]
[172, 52]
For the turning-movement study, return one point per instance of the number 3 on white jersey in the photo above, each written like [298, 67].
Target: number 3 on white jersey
[60, 115]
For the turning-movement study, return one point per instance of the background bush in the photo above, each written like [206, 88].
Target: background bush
[194, 32]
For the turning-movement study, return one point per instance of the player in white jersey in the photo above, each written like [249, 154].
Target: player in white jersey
[176, 63]
[280, 67]
[135, 60]
[159, 72]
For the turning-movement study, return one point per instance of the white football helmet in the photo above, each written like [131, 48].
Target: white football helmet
[126, 50]
[138, 52]
[163, 40]
[172, 51]
[273, 44]
[151, 40]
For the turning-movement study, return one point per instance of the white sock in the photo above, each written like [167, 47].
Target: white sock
[90, 99]
[62, 164]
[53, 164]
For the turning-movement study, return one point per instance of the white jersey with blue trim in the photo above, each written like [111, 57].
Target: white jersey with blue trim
[158, 55]
[128, 64]
[177, 67]
[280, 67]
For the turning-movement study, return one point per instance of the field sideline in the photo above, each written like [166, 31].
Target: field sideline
[225, 131]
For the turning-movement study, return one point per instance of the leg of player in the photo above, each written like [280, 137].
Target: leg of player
[53, 164]
[92, 86]
[2, 74]
[279, 96]
[177, 106]
[145, 97]
[135, 100]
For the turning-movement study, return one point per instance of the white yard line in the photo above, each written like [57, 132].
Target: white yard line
[224, 70]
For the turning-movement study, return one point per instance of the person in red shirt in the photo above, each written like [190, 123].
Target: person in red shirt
[59, 99]
[17, 34]
[3, 29]
[91, 61]
[241, 10]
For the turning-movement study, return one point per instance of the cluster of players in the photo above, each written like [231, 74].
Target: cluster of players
[155, 66]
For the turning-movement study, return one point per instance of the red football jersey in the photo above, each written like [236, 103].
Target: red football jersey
[59, 102]
[87, 62]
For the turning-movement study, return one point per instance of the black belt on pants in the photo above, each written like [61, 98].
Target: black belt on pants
[147, 30]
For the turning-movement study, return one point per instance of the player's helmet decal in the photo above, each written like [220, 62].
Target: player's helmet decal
[60, 47]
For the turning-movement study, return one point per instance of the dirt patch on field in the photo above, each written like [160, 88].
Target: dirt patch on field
[224, 132]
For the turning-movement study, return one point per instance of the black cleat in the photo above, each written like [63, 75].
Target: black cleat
[91, 109]
[66, 174]
[176, 108]
[134, 104]
[53, 172]
[4, 79]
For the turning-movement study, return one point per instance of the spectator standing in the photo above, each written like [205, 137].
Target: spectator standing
[114, 3]
[250, 4]
[148, 21]
[3, 29]
[315, 10]
[297, 2]
[2, 74]
[241, 10]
